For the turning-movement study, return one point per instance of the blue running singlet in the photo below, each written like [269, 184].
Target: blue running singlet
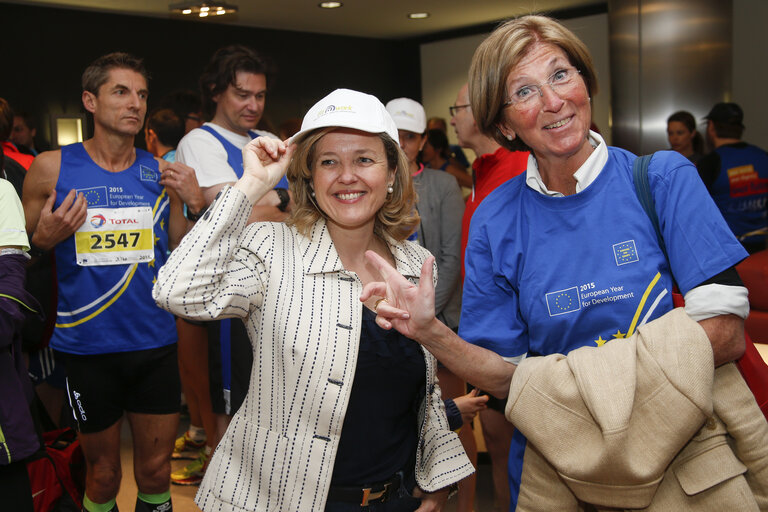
[107, 268]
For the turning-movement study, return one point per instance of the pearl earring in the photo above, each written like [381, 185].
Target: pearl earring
[312, 193]
[390, 189]
[509, 137]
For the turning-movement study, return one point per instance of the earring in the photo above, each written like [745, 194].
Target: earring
[390, 189]
[509, 137]
[312, 193]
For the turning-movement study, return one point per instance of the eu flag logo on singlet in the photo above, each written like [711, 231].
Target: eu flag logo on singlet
[147, 174]
[563, 301]
[96, 196]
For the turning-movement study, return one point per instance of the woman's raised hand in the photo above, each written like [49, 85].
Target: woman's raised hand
[407, 307]
[265, 161]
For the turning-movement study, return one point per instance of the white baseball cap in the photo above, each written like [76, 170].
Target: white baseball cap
[408, 115]
[348, 109]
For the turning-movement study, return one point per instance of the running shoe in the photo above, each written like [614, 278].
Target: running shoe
[192, 473]
[186, 448]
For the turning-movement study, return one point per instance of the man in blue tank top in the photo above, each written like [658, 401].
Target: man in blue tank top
[736, 175]
[111, 212]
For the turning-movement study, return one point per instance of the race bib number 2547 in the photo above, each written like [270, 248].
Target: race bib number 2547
[115, 236]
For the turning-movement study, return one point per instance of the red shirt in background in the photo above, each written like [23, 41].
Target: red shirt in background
[489, 171]
[10, 151]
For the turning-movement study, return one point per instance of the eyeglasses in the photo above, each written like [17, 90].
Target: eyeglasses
[454, 108]
[561, 82]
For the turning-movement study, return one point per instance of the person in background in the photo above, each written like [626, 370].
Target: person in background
[736, 175]
[440, 208]
[306, 437]
[436, 155]
[233, 88]
[683, 136]
[187, 106]
[493, 166]
[24, 133]
[6, 129]
[438, 123]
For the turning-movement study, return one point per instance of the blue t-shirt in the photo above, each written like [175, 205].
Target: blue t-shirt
[741, 188]
[551, 274]
[106, 270]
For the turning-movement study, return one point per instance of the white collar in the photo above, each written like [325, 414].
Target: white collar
[584, 175]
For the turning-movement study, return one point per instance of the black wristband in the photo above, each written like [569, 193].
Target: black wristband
[34, 251]
[194, 217]
[285, 198]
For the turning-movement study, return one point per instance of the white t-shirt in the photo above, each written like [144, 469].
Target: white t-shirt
[207, 156]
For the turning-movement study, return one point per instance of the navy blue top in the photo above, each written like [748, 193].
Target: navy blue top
[380, 431]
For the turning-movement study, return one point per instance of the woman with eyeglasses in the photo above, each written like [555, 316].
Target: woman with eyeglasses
[563, 258]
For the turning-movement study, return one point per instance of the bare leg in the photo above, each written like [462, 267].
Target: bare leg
[497, 432]
[193, 369]
[102, 462]
[452, 386]
[153, 437]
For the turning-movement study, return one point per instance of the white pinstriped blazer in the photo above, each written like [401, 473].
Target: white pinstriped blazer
[303, 315]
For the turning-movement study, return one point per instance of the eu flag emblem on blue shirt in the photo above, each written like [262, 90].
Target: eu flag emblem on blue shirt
[147, 173]
[96, 196]
[563, 301]
[625, 252]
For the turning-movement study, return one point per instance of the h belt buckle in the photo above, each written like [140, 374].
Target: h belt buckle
[368, 495]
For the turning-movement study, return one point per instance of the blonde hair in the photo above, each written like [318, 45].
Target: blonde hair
[397, 218]
[495, 58]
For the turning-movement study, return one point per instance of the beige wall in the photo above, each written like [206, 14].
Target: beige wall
[444, 67]
[750, 72]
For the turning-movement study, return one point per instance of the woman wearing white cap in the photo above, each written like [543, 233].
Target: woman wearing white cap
[341, 415]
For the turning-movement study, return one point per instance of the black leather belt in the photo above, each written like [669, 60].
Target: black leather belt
[381, 492]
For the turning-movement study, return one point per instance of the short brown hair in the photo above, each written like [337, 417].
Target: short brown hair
[397, 218]
[495, 58]
[168, 127]
[97, 73]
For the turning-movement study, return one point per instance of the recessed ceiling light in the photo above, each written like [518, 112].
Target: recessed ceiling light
[203, 8]
[330, 5]
[418, 15]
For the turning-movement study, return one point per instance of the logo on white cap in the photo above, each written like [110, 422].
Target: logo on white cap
[345, 108]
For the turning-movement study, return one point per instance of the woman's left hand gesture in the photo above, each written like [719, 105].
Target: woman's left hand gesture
[265, 161]
[407, 307]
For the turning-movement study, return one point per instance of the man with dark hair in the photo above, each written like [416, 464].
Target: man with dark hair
[112, 212]
[233, 88]
[736, 175]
